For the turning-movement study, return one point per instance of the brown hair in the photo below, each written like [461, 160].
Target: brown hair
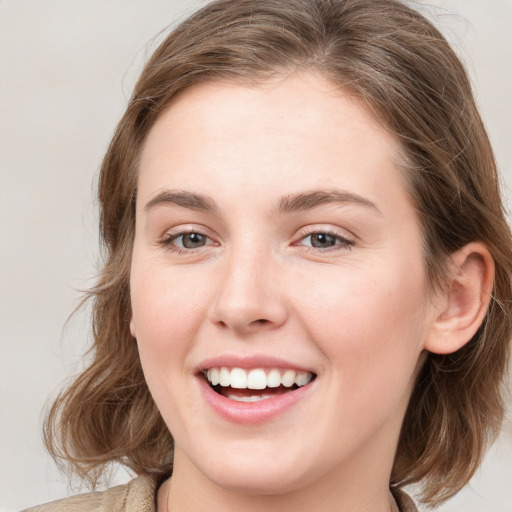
[407, 74]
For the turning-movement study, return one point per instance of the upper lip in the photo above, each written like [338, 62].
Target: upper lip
[249, 362]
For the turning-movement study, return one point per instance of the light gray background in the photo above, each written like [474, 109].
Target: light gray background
[66, 70]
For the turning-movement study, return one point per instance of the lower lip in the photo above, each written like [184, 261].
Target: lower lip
[248, 413]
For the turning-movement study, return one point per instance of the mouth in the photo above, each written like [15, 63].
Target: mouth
[255, 384]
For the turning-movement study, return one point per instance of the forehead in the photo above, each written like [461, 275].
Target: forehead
[283, 136]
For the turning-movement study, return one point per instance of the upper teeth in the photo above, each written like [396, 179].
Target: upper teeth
[257, 378]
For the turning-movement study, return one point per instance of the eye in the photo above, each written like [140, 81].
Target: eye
[325, 240]
[190, 240]
[185, 241]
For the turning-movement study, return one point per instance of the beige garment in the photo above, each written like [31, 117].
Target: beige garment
[139, 496]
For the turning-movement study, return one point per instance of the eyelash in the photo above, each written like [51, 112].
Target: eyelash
[343, 243]
[167, 241]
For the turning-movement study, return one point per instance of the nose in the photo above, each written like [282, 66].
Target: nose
[249, 297]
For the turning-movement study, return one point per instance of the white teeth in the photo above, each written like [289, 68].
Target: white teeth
[214, 377]
[302, 378]
[238, 378]
[256, 378]
[225, 377]
[274, 379]
[252, 398]
[288, 379]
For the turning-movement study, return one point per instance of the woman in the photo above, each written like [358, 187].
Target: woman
[306, 297]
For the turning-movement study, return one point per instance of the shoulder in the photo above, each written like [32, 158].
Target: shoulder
[136, 496]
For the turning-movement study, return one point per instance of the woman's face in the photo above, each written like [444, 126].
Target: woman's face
[276, 250]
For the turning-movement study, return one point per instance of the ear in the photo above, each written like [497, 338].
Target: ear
[132, 327]
[463, 304]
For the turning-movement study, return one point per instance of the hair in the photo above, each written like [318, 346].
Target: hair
[403, 70]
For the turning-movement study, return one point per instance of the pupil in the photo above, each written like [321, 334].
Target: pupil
[322, 240]
[192, 240]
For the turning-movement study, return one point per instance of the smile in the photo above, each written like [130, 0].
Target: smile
[253, 385]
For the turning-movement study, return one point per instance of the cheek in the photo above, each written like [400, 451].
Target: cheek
[362, 306]
[167, 315]
[370, 328]
[167, 307]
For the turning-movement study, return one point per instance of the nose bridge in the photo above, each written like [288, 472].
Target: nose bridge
[248, 294]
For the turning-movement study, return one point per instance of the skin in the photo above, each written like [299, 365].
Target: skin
[358, 314]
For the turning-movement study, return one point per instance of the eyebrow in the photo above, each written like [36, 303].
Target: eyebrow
[184, 199]
[287, 204]
[312, 199]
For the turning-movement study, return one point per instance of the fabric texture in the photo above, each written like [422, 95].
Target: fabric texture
[139, 495]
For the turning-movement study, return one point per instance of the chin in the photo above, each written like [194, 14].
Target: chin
[245, 475]
[259, 483]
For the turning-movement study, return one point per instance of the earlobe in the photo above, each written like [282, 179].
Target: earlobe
[462, 306]
[132, 327]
